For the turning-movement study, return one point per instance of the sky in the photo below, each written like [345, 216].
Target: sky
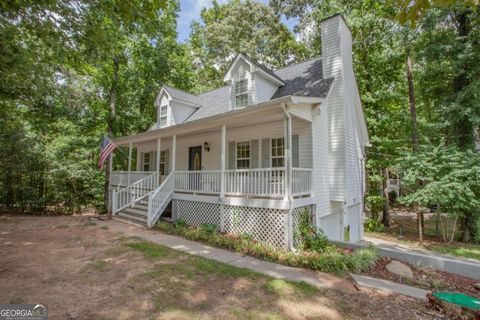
[190, 10]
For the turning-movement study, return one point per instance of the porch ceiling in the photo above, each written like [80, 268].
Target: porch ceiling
[254, 115]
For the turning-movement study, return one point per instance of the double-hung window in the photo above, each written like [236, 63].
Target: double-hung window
[243, 155]
[146, 161]
[163, 115]
[278, 153]
[241, 93]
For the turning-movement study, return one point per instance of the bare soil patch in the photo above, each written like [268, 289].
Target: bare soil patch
[82, 269]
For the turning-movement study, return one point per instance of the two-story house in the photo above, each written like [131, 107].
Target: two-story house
[253, 155]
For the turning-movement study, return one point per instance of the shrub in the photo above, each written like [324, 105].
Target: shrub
[208, 228]
[328, 258]
[375, 205]
[477, 230]
[362, 259]
[181, 224]
[373, 225]
[393, 196]
[312, 239]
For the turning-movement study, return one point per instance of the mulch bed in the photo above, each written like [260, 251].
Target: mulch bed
[427, 278]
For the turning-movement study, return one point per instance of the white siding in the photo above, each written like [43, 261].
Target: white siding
[345, 147]
[179, 112]
[211, 159]
[332, 67]
[242, 72]
[264, 89]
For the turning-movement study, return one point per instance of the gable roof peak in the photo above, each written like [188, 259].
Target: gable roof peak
[256, 66]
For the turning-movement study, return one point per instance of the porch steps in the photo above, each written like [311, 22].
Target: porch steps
[139, 212]
[136, 214]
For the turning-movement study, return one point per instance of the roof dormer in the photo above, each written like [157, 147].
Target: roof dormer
[174, 106]
[250, 83]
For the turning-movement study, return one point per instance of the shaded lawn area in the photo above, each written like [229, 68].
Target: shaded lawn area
[403, 230]
[82, 270]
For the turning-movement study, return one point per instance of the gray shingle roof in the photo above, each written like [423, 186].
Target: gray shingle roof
[183, 95]
[301, 79]
[213, 102]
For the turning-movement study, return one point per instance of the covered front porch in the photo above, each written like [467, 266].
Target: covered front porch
[266, 156]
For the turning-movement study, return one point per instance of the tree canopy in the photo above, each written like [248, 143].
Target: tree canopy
[71, 71]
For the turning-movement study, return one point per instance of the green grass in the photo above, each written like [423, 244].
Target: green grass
[470, 251]
[207, 266]
[150, 250]
[283, 287]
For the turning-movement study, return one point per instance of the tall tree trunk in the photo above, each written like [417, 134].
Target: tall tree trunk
[386, 205]
[464, 127]
[413, 116]
[111, 119]
[411, 100]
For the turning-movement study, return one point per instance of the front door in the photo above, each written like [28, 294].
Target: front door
[195, 158]
[195, 164]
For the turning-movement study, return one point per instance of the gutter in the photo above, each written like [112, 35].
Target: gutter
[214, 121]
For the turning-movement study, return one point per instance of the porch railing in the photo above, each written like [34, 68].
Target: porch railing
[159, 199]
[264, 182]
[301, 181]
[257, 182]
[205, 181]
[120, 178]
[129, 195]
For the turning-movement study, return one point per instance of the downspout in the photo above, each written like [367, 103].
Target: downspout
[288, 175]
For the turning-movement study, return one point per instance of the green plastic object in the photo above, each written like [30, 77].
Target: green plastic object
[459, 299]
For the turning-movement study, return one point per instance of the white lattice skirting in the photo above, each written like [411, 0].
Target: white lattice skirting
[263, 224]
[270, 226]
[196, 213]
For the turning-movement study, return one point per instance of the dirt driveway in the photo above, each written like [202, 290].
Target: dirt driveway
[82, 269]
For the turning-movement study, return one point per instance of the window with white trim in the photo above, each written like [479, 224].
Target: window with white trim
[241, 93]
[162, 163]
[278, 152]
[163, 115]
[243, 155]
[146, 161]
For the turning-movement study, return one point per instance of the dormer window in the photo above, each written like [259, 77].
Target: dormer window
[163, 115]
[241, 93]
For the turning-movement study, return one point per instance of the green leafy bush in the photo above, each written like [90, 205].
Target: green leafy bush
[477, 230]
[208, 228]
[181, 224]
[375, 204]
[329, 258]
[373, 225]
[312, 239]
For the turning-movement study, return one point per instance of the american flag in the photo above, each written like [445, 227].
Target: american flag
[106, 148]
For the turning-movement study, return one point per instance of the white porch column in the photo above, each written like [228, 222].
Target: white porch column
[129, 161]
[223, 148]
[174, 152]
[287, 130]
[158, 158]
[138, 159]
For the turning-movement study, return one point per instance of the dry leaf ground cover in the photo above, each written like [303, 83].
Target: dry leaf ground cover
[84, 270]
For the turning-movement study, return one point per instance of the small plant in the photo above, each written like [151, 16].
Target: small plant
[373, 225]
[181, 224]
[312, 239]
[208, 228]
